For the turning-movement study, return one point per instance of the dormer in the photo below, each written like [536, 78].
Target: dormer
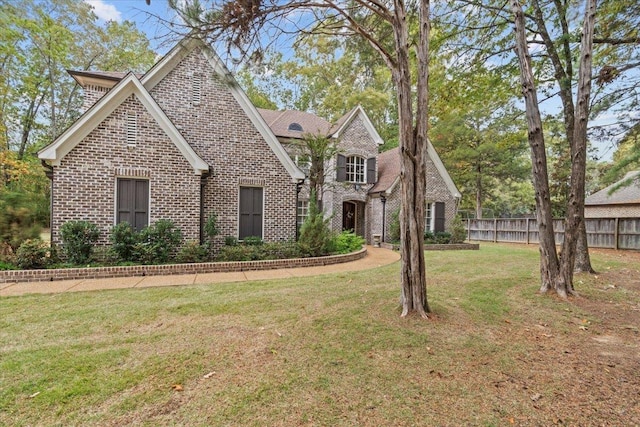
[95, 84]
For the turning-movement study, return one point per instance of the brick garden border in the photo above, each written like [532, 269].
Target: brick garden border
[11, 276]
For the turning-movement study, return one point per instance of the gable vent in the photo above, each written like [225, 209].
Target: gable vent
[132, 127]
[196, 88]
[295, 127]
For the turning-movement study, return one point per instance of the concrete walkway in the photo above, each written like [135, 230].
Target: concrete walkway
[376, 257]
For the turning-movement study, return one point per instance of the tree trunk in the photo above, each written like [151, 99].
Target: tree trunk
[583, 260]
[413, 154]
[478, 193]
[575, 206]
[549, 265]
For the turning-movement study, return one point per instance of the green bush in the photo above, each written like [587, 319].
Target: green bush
[123, 240]
[158, 242]
[191, 252]
[394, 227]
[281, 250]
[78, 239]
[429, 237]
[315, 236]
[230, 241]
[32, 254]
[7, 266]
[252, 241]
[240, 253]
[19, 218]
[458, 232]
[442, 238]
[347, 242]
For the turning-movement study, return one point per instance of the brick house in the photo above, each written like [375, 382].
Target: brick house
[622, 203]
[181, 142]
[362, 187]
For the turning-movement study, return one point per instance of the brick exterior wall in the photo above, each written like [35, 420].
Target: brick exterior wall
[84, 184]
[612, 211]
[222, 134]
[216, 127]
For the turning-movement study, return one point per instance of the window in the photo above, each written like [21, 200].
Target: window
[251, 203]
[355, 169]
[303, 212]
[297, 127]
[429, 218]
[133, 202]
[434, 217]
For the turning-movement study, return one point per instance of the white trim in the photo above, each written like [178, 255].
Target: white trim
[433, 155]
[129, 85]
[359, 111]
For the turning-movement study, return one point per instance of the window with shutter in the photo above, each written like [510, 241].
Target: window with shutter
[133, 202]
[251, 212]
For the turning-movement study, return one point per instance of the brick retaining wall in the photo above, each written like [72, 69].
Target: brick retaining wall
[11, 276]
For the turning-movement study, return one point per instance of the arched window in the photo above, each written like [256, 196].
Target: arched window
[295, 127]
[355, 169]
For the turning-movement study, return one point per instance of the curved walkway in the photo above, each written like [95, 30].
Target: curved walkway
[376, 257]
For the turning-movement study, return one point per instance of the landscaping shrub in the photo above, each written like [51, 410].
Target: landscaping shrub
[281, 250]
[458, 232]
[7, 266]
[252, 241]
[32, 254]
[429, 237]
[78, 239]
[158, 241]
[211, 230]
[442, 238]
[18, 218]
[191, 252]
[230, 241]
[394, 227]
[123, 240]
[239, 253]
[347, 242]
[315, 235]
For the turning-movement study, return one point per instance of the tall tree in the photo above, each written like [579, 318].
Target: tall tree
[557, 273]
[243, 24]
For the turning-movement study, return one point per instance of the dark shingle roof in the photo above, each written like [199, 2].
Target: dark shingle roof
[388, 170]
[625, 195]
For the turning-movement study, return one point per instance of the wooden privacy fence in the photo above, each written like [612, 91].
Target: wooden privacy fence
[615, 233]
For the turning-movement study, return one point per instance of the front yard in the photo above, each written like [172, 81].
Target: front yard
[332, 350]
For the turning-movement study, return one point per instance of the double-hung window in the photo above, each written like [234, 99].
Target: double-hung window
[355, 169]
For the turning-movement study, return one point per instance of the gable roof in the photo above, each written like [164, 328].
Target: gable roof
[152, 77]
[344, 122]
[129, 85]
[389, 171]
[186, 46]
[629, 194]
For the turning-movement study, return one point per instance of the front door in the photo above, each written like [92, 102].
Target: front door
[348, 216]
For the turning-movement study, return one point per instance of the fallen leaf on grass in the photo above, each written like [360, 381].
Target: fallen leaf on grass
[34, 395]
[536, 397]
[177, 387]
[209, 375]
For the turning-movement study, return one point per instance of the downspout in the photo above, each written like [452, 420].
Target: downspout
[383, 199]
[49, 173]
[203, 182]
[295, 217]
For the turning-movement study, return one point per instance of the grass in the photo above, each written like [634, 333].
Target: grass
[327, 350]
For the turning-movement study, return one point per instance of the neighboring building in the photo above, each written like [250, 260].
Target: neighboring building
[183, 141]
[622, 203]
[180, 143]
[362, 187]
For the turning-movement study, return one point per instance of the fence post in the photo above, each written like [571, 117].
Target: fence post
[616, 233]
[527, 231]
[495, 230]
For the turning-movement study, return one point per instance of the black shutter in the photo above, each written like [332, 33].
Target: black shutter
[371, 170]
[250, 212]
[133, 202]
[439, 225]
[341, 169]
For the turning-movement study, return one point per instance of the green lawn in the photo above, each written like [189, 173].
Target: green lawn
[327, 351]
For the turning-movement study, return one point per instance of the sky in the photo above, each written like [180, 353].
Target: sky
[145, 17]
[148, 18]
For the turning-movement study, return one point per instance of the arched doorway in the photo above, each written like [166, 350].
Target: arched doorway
[353, 217]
